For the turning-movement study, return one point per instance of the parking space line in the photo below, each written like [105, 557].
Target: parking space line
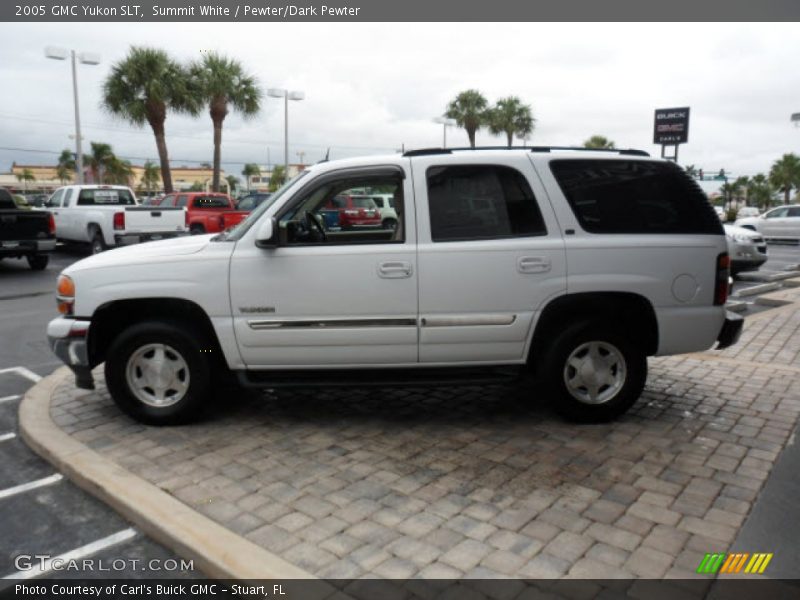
[46, 566]
[7, 436]
[23, 372]
[9, 398]
[31, 485]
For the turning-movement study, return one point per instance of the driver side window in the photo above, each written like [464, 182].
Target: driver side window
[344, 211]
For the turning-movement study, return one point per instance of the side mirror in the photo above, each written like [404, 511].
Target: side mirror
[267, 236]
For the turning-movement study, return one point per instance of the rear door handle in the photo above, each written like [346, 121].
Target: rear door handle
[534, 264]
[395, 270]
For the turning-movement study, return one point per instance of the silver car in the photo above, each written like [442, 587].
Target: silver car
[747, 249]
[782, 223]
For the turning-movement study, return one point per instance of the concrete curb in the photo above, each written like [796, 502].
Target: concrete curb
[216, 551]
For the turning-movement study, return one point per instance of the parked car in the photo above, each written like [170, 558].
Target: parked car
[107, 216]
[25, 233]
[579, 265]
[152, 200]
[21, 202]
[203, 209]
[747, 249]
[747, 211]
[37, 200]
[782, 223]
[252, 201]
[346, 211]
[385, 204]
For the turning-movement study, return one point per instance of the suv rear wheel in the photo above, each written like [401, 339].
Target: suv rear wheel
[594, 373]
[157, 373]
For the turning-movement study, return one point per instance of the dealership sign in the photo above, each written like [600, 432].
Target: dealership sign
[671, 126]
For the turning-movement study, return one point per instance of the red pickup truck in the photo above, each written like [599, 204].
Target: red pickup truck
[204, 210]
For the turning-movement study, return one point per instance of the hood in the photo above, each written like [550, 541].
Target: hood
[733, 230]
[147, 252]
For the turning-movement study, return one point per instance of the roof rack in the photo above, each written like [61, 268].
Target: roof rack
[430, 151]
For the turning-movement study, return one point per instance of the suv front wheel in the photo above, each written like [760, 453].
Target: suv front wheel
[157, 373]
[594, 373]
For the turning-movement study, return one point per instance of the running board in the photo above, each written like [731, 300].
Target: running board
[455, 376]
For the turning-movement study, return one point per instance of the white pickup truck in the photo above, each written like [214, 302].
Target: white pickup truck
[571, 266]
[106, 216]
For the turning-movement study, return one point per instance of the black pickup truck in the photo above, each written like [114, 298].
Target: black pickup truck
[28, 233]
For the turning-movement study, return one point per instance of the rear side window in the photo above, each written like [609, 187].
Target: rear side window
[481, 202]
[633, 196]
[211, 202]
[98, 197]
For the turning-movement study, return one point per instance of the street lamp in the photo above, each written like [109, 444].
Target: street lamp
[85, 58]
[445, 123]
[286, 95]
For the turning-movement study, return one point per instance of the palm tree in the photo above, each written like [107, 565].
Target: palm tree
[221, 82]
[66, 166]
[741, 185]
[118, 171]
[142, 87]
[469, 111]
[759, 191]
[785, 174]
[277, 178]
[233, 183]
[601, 142]
[510, 116]
[250, 170]
[24, 177]
[691, 171]
[150, 176]
[99, 160]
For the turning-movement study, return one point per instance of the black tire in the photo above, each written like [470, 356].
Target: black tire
[197, 230]
[176, 341]
[98, 244]
[574, 402]
[38, 262]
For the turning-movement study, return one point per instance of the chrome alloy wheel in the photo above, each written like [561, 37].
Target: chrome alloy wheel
[595, 372]
[157, 375]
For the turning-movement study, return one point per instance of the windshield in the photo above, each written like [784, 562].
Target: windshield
[236, 232]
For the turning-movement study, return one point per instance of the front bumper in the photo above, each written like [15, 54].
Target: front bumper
[68, 339]
[731, 330]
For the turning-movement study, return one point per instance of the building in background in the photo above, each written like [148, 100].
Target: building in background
[260, 182]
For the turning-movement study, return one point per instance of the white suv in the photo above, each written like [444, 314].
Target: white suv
[568, 266]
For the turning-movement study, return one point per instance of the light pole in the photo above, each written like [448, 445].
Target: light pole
[445, 123]
[85, 58]
[286, 95]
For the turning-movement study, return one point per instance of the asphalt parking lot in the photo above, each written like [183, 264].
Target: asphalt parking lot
[44, 513]
[51, 515]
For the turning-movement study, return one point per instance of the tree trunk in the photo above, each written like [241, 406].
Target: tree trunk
[471, 135]
[217, 153]
[163, 158]
[786, 191]
[510, 137]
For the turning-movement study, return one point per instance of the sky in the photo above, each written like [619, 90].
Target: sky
[372, 88]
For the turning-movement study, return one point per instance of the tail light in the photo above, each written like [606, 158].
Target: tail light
[51, 224]
[119, 221]
[721, 285]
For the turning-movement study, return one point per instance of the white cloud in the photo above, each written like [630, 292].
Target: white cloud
[371, 87]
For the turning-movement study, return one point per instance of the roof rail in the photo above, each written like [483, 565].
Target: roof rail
[431, 151]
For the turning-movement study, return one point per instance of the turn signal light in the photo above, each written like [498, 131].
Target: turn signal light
[65, 295]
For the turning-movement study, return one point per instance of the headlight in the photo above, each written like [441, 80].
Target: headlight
[741, 238]
[65, 295]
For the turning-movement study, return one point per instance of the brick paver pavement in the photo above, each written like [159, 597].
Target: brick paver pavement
[479, 481]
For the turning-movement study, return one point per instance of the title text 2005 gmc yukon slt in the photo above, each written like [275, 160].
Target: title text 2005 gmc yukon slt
[573, 266]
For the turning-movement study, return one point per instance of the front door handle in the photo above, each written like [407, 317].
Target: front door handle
[534, 264]
[395, 270]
